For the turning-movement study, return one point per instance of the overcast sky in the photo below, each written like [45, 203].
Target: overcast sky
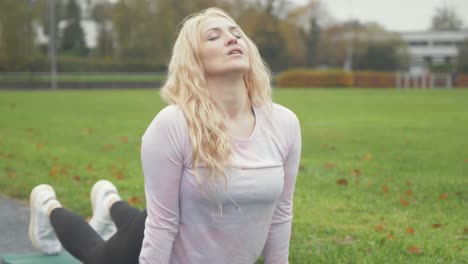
[394, 15]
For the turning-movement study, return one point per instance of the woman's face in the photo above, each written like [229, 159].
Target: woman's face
[223, 48]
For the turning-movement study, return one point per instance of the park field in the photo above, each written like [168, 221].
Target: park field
[383, 176]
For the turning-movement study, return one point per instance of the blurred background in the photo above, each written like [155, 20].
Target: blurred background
[127, 43]
[384, 163]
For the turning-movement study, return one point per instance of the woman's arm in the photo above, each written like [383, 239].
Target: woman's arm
[277, 245]
[162, 155]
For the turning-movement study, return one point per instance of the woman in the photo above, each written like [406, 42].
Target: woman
[220, 162]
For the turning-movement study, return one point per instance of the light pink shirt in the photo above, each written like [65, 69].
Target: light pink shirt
[187, 225]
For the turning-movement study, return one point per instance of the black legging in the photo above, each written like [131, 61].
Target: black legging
[81, 241]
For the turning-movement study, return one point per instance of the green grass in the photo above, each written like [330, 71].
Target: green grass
[383, 143]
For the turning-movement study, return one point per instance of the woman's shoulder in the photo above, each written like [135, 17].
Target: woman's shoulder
[169, 118]
[279, 113]
[170, 115]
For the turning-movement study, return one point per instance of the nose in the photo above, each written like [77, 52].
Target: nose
[232, 40]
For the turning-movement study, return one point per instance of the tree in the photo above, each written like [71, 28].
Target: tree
[265, 31]
[463, 57]
[308, 19]
[312, 41]
[16, 34]
[379, 56]
[72, 40]
[102, 15]
[446, 18]
[373, 48]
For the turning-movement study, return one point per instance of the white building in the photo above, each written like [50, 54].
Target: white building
[433, 47]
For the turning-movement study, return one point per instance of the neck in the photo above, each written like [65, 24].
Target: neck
[230, 94]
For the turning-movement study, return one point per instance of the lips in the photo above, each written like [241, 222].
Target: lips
[235, 51]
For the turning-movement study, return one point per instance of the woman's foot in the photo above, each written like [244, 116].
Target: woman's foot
[103, 195]
[42, 201]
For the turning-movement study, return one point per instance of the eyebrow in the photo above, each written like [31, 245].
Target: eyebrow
[218, 29]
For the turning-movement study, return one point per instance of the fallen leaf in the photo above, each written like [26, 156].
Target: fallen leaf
[435, 226]
[6, 155]
[379, 227]
[118, 175]
[410, 230]
[329, 165]
[86, 132]
[12, 175]
[39, 146]
[408, 183]
[355, 172]
[107, 147]
[414, 250]
[326, 146]
[465, 231]
[404, 202]
[389, 237]
[367, 157]
[77, 178]
[124, 139]
[89, 168]
[466, 160]
[64, 170]
[409, 192]
[54, 170]
[301, 167]
[342, 182]
[443, 196]
[385, 188]
[134, 200]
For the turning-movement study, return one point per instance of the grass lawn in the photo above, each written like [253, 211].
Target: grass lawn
[383, 178]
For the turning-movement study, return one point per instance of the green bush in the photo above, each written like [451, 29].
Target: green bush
[461, 81]
[374, 79]
[314, 78]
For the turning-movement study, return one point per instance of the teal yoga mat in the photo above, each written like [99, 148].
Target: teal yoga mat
[37, 258]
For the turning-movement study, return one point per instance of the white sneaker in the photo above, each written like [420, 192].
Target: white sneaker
[102, 193]
[41, 232]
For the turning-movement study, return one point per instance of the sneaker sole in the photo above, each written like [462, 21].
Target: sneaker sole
[32, 200]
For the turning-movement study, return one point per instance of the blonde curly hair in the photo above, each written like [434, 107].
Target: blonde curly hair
[186, 87]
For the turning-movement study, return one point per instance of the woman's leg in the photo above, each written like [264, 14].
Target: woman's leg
[122, 213]
[52, 227]
[76, 235]
[125, 245]
[78, 238]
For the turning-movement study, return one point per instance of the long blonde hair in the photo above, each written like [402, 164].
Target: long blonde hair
[186, 87]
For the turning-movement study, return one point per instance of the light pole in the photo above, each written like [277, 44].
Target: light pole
[348, 65]
[52, 51]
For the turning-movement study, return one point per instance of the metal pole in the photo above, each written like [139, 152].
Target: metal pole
[52, 52]
[349, 51]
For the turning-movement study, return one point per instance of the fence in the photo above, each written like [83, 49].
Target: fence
[81, 80]
[408, 80]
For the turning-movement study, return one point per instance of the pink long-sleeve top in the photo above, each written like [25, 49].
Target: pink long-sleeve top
[188, 223]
